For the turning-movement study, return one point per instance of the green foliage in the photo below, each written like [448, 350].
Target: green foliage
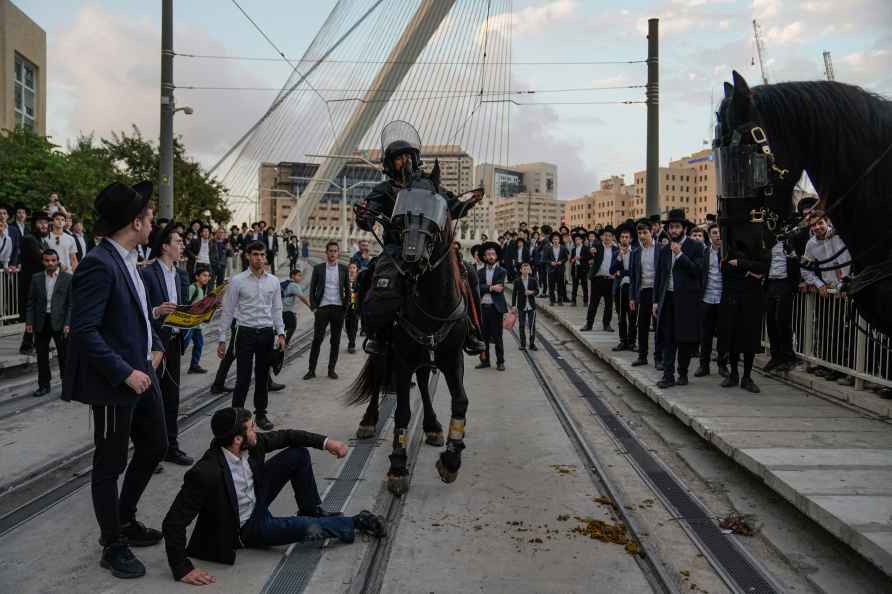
[31, 167]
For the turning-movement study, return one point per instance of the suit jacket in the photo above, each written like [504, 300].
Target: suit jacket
[16, 235]
[585, 257]
[499, 277]
[209, 493]
[265, 238]
[519, 297]
[597, 252]
[510, 259]
[635, 271]
[31, 255]
[219, 251]
[156, 291]
[548, 257]
[317, 285]
[195, 246]
[108, 334]
[60, 311]
[687, 279]
[620, 271]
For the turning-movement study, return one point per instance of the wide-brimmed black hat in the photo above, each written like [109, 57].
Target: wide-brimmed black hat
[711, 218]
[578, 231]
[654, 218]
[626, 227]
[806, 203]
[40, 216]
[554, 234]
[118, 205]
[643, 221]
[21, 206]
[475, 250]
[676, 215]
[277, 360]
[488, 245]
[545, 230]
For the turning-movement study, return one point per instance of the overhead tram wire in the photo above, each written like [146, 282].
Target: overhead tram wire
[462, 63]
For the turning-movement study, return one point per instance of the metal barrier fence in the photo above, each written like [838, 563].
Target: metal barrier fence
[10, 308]
[824, 334]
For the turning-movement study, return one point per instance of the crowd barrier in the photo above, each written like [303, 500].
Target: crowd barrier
[10, 308]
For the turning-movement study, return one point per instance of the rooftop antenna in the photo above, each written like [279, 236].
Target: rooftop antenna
[760, 50]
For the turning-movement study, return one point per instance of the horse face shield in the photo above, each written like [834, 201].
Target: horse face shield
[741, 171]
[421, 216]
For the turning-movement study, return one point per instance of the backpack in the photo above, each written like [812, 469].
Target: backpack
[283, 286]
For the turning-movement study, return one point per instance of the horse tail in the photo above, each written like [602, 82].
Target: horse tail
[370, 380]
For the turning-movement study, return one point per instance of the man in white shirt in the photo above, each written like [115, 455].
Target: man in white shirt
[6, 247]
[712, 299]
[329, 299]
[254, 301]
[62, 243]
[48, 316]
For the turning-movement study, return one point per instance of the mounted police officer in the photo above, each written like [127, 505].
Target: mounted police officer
[401, 147]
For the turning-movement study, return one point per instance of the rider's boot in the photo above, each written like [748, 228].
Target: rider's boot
[473, 343]
[375, 344]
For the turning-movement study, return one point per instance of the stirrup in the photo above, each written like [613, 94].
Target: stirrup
[474, 346]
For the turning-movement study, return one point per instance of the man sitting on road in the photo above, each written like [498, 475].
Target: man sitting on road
[232, 486]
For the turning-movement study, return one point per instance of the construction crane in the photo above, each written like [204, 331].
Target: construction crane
[760, 50]
[828, 67]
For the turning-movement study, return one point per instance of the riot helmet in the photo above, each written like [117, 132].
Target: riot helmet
[400, 138]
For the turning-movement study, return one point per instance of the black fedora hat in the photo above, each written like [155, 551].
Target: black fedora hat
[40, 216]
[491, 245]
[475, 250]
[676, 215]
[554, 234]
[545, 229]
[643, 221]
[118, 205]
[21, 206]
[654, 218]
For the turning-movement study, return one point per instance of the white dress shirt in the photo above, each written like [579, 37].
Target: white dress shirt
[607, 262]
[129, 258]
[778, 269]
[647, 267]
[243, 481]
[626, 259]
[713, 292]
[526, 287]
[487, 298]
[204, 251]
[5, 249]
[577, 253]
[331, 295]
[253, 301]
[50, 287]
[556, 250]
[170, 281]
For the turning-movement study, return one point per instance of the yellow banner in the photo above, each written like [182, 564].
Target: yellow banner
[200, 312]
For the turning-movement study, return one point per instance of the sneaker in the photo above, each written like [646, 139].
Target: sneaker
[121, 561]
[136, 534]
[215, 389]
[702, 371]
[264, 423]
[197, 369]
[309, 375]
[639, 362]
[368, 523]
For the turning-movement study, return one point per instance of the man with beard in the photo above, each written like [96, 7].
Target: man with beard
[31, 258]
[491, 283]
[679, 292]
[232, 487]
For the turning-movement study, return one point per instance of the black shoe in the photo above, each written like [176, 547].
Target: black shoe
[319, 512]
[158, 469]
[533, 347]
[176, 456]
[136, 534]
[885, 393]
[368, 523]
[500, 366]
[522, 347]
[749, 385]
[332, 374]
[723, 371]
[586, 328]
[264, 423]
[215, 389]
[639, 362]
[121, 561]
[373, 347]
[275, 387]
[41, 392]
[702, 371]
[730, 381]
[482, 365]
[609, 329]
[473, 345]
[682, 379]
[197, 369]
[309, 375]
[351, 349]
[620, 347]
[666, 383]
[772, 364]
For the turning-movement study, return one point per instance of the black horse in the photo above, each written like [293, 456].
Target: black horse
[432, 429]
[430, 333]
[841, 135]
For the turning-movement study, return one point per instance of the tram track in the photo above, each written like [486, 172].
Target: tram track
[44, 488]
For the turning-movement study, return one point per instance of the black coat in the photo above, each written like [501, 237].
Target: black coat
[687, 278]
[549, 259]
[499, 277]
[60, 312]
[740, 313]
[510, 259]
[597, 252]
[519, 297]
[582, 263]
[209, 493]
[156, 292]
[317, 285]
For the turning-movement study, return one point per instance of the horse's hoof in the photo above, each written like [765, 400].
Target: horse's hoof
[398, 485]
[435, 438]
[365, 432]
[446, 475]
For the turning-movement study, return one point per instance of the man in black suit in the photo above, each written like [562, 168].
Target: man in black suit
[523, 302]
[33, 245]
[679, 292]
[167, 286]
[780, 286]
[642, 275]
[580, 256]
[112, 357]
[603, 255]
[48, 317]
[271, 241]
[621, 271]
[329, 297]
[232, 486]
[516, 254]
[555, 256]
[491, 283]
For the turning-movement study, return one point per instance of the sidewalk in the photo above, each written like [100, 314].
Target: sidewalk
[833, 464]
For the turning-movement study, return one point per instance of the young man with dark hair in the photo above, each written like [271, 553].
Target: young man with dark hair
[523, 302]
[642, 275]
[329, 298]
[603, 255]
[491, 283]
[197, 291]
[230, 490]
[113, 353]
[293, 295]
[712, 300]
[254, 300]
[621, 271]
[48, 317]
[62, 243]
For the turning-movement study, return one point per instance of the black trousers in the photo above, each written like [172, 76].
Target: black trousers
[602, 288]
[113, 429]
[527, 322]
[779, 319]
[671, 347]
[42, 340]
[643, 314]
[290, 319]
[711, 329]
[170, 387]
[351, 324]
[332, 315]
[227, 360]
[556, 289]
[219, 276]
[628, 321]
[580, 278]
[253, 347]
[542, 270]
[492, 331]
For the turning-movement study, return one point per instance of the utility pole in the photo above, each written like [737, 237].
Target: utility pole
[652, 200]
[828, 67]
[345, 235]
[165, 186]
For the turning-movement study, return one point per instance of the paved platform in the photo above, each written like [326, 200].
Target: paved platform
[832, 463]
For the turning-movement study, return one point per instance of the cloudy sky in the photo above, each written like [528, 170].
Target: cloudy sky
[104, 65]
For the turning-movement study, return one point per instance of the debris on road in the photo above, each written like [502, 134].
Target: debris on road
[736, 524]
